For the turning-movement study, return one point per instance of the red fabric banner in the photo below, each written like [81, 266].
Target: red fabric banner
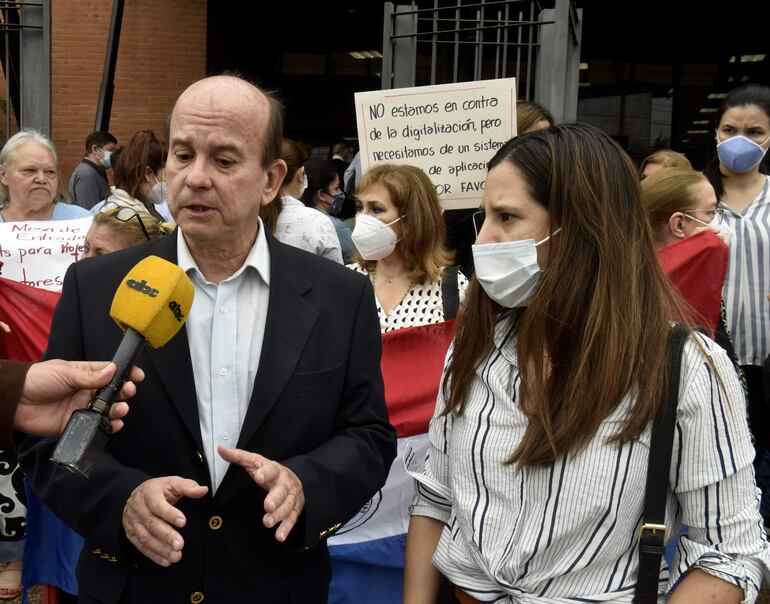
[412, 362]
[697, 266]
[28, 311]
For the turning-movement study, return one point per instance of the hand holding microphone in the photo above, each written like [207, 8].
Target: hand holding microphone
[151, 305]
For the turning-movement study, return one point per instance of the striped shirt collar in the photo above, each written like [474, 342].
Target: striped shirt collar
[504, 338]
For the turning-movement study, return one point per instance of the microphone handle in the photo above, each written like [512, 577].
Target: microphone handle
[124, 358]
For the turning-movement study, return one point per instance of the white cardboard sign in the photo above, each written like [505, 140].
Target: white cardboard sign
[38, 253]
[450, 131]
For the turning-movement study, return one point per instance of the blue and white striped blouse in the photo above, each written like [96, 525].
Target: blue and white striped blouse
[567, 532]
[748, 279]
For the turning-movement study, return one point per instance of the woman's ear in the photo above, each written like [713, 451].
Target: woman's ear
[149, 176]
[676, 225]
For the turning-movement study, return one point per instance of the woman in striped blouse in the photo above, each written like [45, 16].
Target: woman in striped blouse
[533, 488]
[739, 175]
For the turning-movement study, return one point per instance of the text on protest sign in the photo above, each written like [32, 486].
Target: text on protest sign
[450, 131]
[38, 253]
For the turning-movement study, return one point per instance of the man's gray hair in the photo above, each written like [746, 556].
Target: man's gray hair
[23, 137]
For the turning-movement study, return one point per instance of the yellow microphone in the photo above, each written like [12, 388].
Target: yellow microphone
[151, 305]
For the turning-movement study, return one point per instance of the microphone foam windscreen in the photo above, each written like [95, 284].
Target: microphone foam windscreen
[154, 299]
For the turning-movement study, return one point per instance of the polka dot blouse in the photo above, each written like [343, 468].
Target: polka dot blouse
[422, 304]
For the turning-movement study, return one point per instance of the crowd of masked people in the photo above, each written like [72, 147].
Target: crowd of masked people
[489, 386]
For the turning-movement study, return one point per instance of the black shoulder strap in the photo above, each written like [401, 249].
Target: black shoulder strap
[652, 538]
[450, 292]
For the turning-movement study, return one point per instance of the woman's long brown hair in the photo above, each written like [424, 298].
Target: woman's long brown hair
[597, 326]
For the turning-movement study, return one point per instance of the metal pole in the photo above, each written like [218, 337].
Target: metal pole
[457, 44]
[387, 46]
[7, 81]
[529, 50]
[434, 46]
[480, 38]
[497, 49]
[107, 87]
[505, 45]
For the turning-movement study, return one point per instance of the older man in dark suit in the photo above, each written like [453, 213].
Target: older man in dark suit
[279, 357]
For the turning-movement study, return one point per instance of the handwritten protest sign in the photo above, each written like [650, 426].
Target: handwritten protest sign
[37, 253]
[451, 131]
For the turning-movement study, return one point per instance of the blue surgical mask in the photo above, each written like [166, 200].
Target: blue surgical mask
[740, 154]
[336, 203]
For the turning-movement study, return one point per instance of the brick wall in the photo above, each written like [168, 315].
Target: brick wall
[162, 50]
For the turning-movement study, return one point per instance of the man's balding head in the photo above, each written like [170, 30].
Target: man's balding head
[223, 165]
[260, 109]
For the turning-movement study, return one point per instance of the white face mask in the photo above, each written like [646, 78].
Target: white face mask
[157, 194]
[302, 187]
[374, 239]
[725, 230]
[509, 271]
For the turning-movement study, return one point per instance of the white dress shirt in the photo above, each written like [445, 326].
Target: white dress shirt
[225, 329]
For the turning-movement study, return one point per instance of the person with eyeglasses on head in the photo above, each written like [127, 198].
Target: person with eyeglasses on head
[117, 226]
[51, 543]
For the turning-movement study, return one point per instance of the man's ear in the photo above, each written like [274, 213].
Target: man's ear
[676, 225]
[275, 174]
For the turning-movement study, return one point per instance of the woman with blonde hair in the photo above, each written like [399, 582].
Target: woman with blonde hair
[399, 234]
[681, 202]
[663, 158]
[117, 226]
[533, 490]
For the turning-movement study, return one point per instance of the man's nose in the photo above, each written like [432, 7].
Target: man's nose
[198, 175]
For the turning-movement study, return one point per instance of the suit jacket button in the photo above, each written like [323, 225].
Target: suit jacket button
[200, 456]
[197, 597]
[215, 523]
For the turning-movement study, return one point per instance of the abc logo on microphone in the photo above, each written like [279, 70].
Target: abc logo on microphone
[153, 299]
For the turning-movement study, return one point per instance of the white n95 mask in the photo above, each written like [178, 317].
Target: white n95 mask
[509, 272]
[374, 239]
[725, 230]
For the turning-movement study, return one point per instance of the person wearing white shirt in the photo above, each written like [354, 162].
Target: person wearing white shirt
[291, 221]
